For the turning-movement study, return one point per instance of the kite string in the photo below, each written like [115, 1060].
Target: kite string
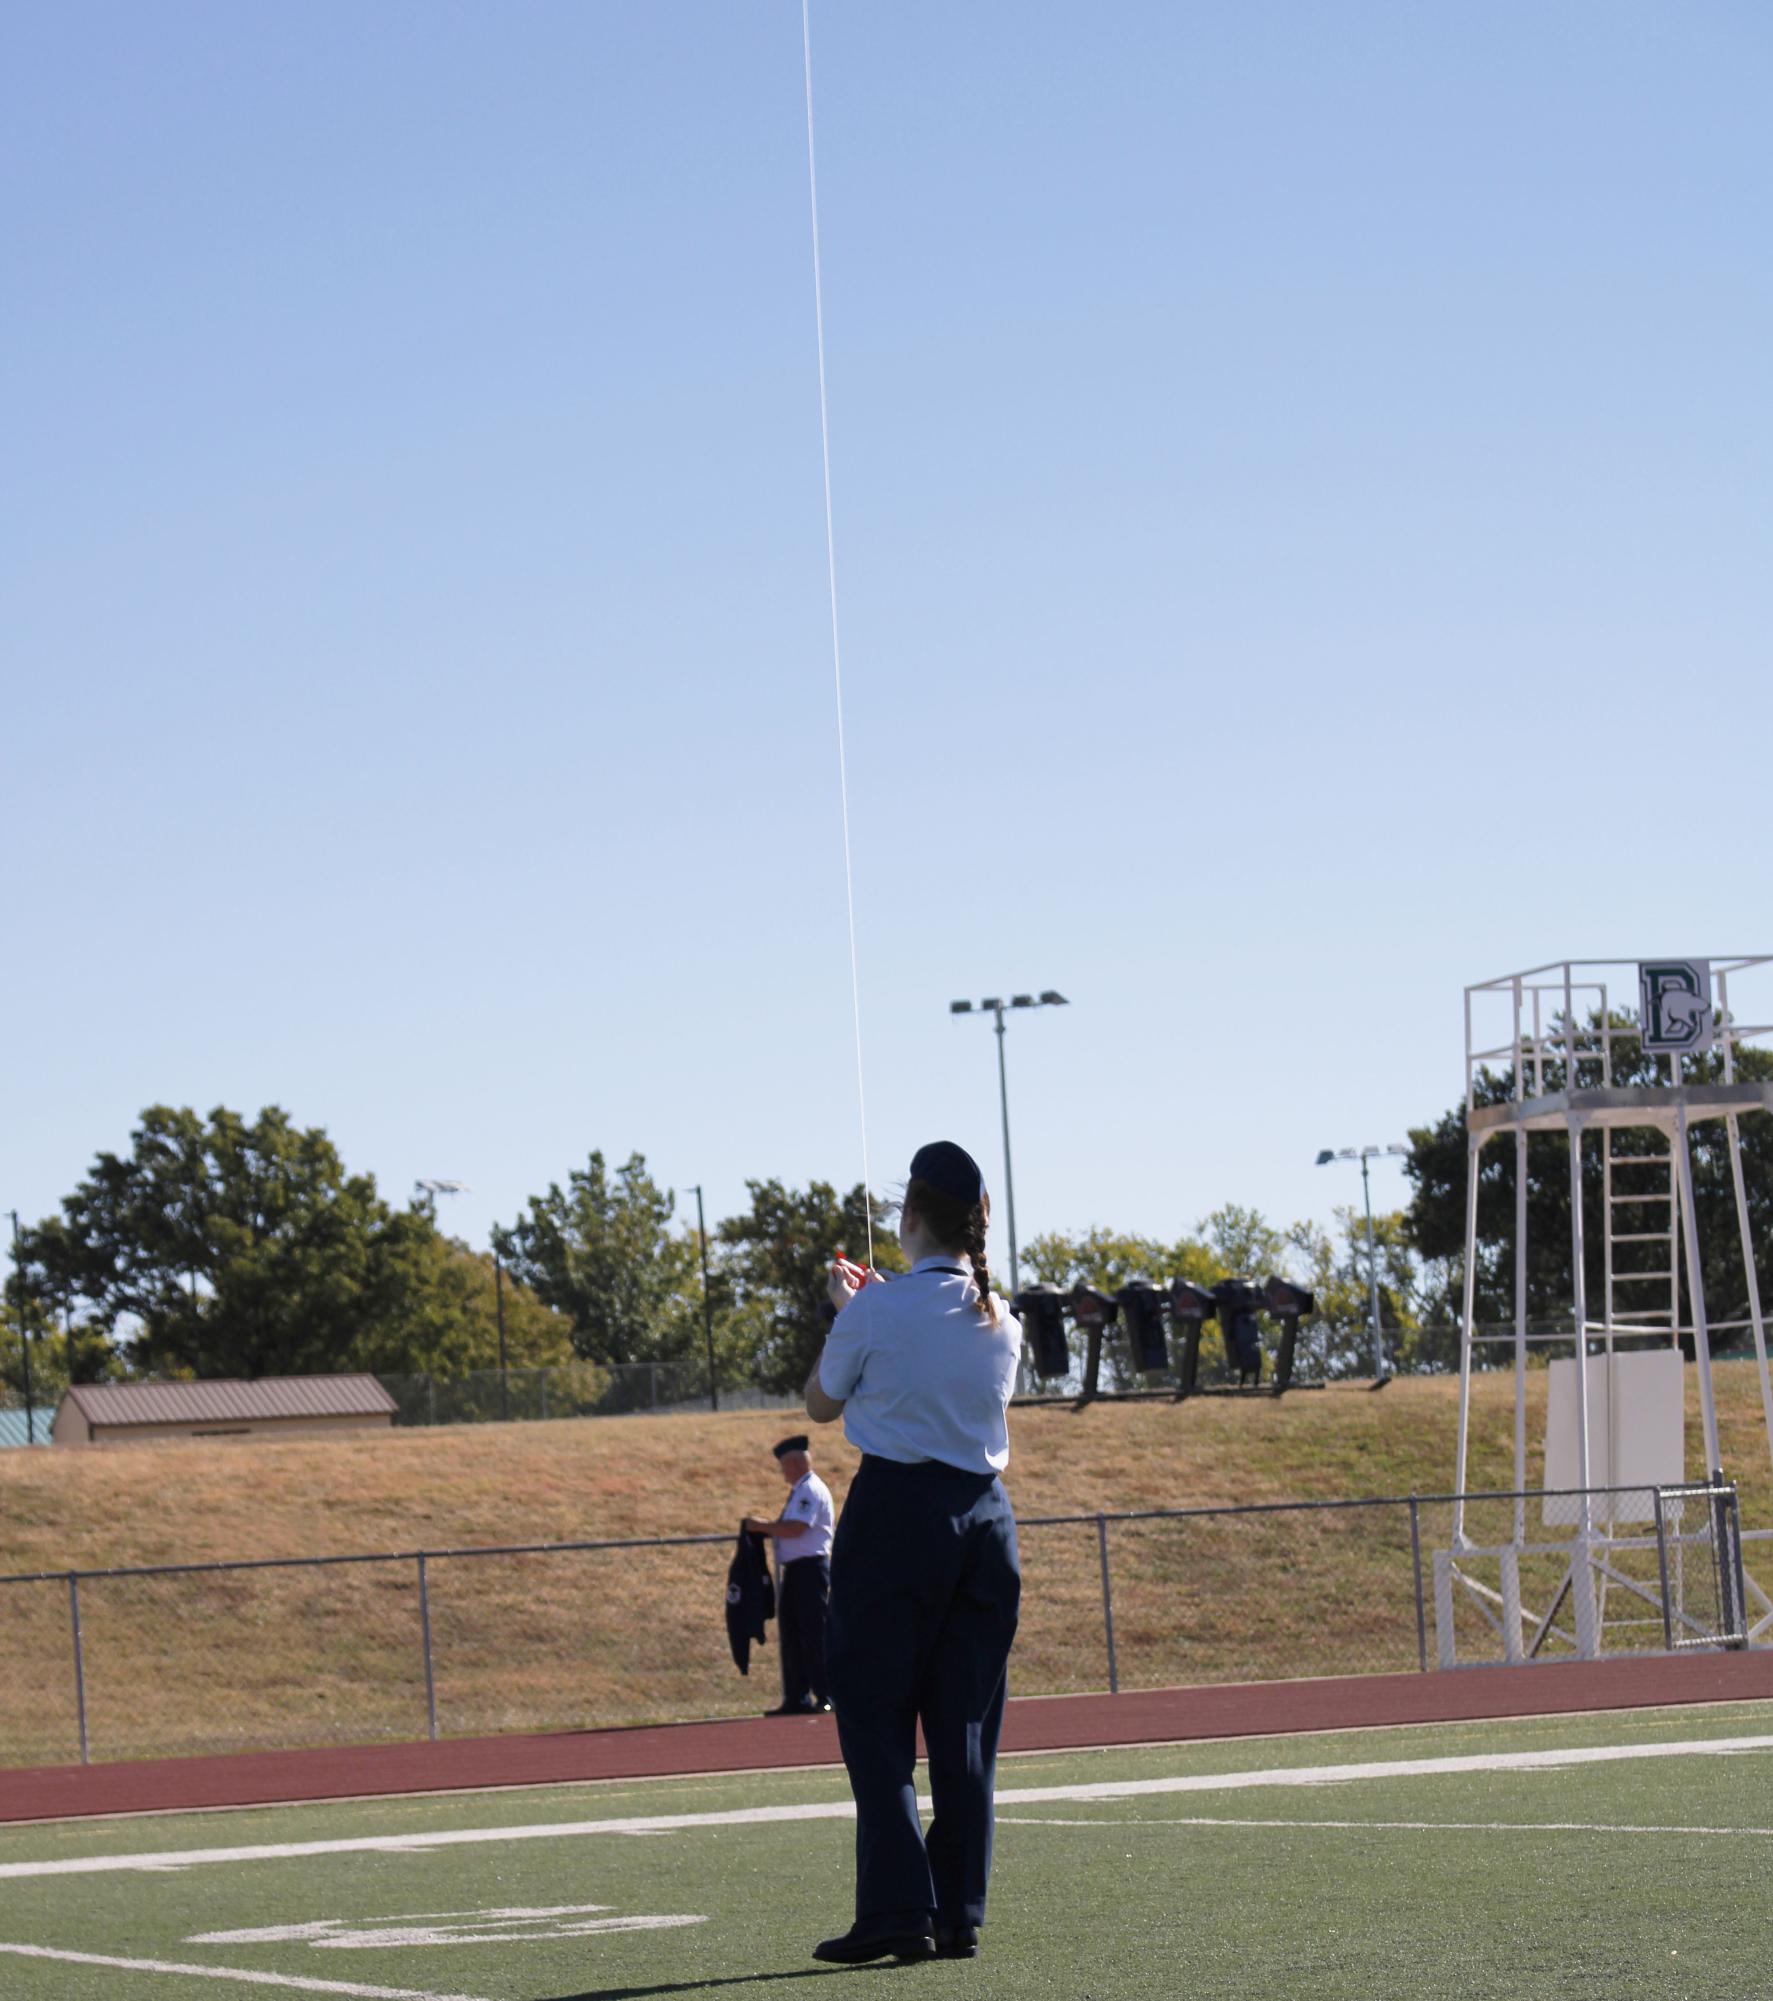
[849, 881]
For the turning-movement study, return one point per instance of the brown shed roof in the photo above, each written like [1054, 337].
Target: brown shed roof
[222, 1402]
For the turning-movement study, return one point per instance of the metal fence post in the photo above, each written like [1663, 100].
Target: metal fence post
[1662, 1571]
[430, 1671]
[1416, 1561]
[1107, 1604]
[1729, 1560]
[79, 1664]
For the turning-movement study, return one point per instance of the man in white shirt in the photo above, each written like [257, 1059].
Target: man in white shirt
[802, 1535]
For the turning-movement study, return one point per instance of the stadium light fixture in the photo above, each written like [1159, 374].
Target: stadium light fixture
[1326, 1156]
[995, 1005]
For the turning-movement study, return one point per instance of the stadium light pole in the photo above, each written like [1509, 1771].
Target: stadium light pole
[434, 1185]
[1364, 1154]
[996, 1006]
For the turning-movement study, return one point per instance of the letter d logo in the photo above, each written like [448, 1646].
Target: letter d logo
[1674, 1005]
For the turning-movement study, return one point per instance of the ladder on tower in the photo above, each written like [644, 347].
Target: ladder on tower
[1643, 1295]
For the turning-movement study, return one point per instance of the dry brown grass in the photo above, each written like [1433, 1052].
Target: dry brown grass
[533, 1642]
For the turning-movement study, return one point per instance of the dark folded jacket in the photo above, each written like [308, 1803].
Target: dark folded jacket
[750, 1598]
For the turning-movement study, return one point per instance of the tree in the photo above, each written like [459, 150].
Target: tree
[1436, 1215]
[1334, 1265]
[70, 1348]
[773, 1266]
[602, 1252]
[227, 1248]
[1231, 1242]
[223, 1247]
[460, 1315]
[1107, 1260]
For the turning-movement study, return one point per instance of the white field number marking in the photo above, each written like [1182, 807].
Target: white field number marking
[1107, 1789]
[449, 1928]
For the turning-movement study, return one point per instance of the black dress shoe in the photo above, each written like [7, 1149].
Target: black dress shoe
[957, 1941]
[849, 1950]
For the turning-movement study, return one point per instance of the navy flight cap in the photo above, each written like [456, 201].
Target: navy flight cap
[950, 1170]
[798, 1443]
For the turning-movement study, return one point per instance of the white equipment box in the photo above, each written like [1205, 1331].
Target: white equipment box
[1636, 1432]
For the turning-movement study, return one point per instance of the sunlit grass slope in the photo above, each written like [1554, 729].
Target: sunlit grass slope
[533, 1642]
[683, 1475]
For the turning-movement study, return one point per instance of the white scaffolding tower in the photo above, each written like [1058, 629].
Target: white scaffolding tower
[1564, 1031]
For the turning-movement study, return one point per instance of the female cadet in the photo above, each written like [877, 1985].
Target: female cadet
[925, 1580]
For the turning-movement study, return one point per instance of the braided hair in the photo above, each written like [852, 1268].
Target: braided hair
[956, 1226]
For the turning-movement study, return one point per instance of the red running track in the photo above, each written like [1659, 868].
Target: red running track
[1034, 1723]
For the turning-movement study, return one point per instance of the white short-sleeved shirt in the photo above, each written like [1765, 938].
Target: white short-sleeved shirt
[920, 1373]
[809, 1501]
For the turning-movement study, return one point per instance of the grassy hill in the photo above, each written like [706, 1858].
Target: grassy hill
[538, 1641]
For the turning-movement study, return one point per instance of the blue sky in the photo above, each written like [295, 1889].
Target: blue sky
[1302, 479]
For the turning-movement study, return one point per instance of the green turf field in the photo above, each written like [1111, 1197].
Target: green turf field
[1194, 1870]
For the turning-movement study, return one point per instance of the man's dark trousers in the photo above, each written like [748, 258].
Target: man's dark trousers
[926, 1584]
[806, 1592]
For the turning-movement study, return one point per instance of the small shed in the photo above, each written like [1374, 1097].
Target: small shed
[270, 1407]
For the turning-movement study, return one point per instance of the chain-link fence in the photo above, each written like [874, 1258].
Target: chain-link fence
[468, 1642]
[1665, 1570]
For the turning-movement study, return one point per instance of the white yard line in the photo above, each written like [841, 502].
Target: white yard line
[421, 1844]
[1107, 1789]
[1392, 1768]
[1404, 1826]
[233, 1973]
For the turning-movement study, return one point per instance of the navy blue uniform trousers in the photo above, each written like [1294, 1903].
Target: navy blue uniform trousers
[806, 1589]
[925, 1588]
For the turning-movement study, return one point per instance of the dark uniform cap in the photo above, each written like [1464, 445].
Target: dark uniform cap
[950, 1170]
[798, 1443]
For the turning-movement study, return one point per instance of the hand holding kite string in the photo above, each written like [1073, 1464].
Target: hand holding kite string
[848, 1278]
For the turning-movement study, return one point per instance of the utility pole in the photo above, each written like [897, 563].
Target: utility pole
[24, 1332]
[707, 1300]
[499, 1299]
